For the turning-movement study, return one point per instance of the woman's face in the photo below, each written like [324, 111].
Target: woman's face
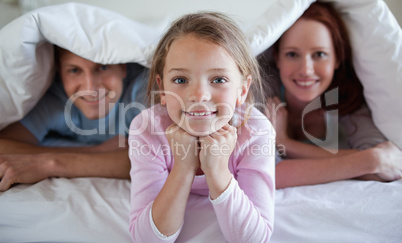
[306, 60]
[94, 88]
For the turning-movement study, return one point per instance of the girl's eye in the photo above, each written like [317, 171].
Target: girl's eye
[179, 81]
[103, 67]
[219, 81]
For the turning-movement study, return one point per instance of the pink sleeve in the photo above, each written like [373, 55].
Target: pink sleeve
[148, 155]
[245, 211]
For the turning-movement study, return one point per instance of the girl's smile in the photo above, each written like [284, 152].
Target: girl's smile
[200, 114]
[201, 85]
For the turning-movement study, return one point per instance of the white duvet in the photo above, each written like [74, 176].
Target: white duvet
[96, 210]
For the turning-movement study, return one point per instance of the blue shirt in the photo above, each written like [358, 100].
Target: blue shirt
[52, 114]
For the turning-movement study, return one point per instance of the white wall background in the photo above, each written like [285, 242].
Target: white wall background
[140, 10]
[150, 11]
[396, 9]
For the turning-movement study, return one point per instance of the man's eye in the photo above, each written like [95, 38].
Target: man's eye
[73, 70]
[219, 81]
[179, 81]
[103, 67]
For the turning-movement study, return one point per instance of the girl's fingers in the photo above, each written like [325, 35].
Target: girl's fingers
[277, 100]
[226, 129]
[224, 134]
[205, 140]
[272, 103]
[273, 100]
[172, 128]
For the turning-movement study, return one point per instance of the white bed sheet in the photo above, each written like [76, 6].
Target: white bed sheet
[96, 210]
[343, 211]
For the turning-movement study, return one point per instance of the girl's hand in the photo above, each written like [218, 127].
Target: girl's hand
[214, 158]
[217, 148]
[184, 148]
[278, 115]
[389, 166]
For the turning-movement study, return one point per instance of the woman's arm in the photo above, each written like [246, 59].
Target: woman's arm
[383, 162]
[360, 130]
[300, 150]
[298, 172]
[380, 160]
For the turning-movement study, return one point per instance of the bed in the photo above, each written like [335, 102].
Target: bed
[96, 209]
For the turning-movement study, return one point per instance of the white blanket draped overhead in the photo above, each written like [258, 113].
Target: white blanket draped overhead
[26, 53]
[106, 37]
[376, 39]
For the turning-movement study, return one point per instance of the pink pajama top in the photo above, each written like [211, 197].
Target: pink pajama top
[244, 212]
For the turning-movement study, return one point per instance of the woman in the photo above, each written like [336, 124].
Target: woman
[314, 61]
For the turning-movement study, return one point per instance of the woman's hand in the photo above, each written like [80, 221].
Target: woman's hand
[26, 168]
[184, 148]
[278, 115]
[389, 157]
[214, 158]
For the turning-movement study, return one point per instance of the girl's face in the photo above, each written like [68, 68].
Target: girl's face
[306, 60]
[201, 86]
[91, 86]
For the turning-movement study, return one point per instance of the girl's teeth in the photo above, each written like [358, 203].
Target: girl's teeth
[199, 113]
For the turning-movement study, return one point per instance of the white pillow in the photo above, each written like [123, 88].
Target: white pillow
[279, 16]
[106, 37]
[377, 48]
[26, 55]
[376, 39]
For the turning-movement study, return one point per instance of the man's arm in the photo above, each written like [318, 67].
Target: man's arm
[23, 161]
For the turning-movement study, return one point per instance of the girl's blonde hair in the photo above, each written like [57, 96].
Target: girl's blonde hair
[218, 29]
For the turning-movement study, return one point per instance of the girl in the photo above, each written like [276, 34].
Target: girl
[189, 144]
[314, 62]
[91, 123]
